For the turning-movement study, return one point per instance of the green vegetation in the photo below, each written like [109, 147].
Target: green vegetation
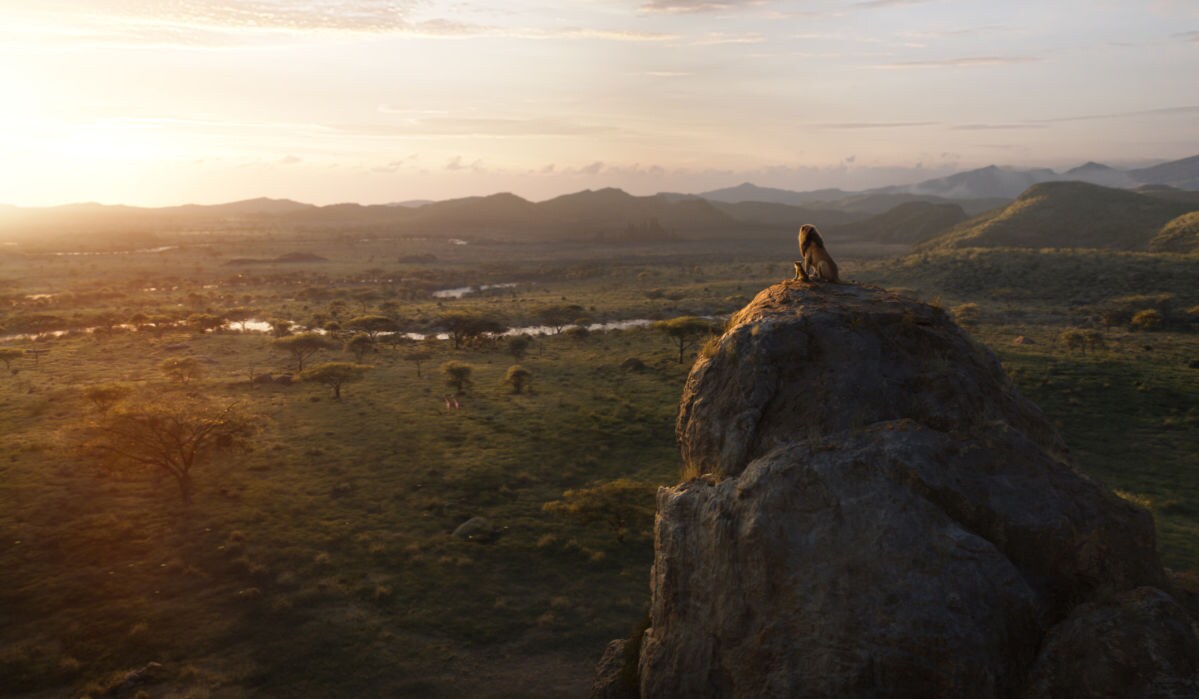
[317, 556]
[1179, 235]
[335, 375]
[1069, 215]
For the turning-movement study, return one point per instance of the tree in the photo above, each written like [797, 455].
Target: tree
[519, 346]
[105, 395]
[359, 345]
[364, 297]
[622, 504]
[303, 346]
[558, 317]
[686, 331]
[240, 315]
[464, 326]
[417, 357]
[182, 369]
[8, 355]
[457, 375]
[203, 322]
[335, 375]
[280, 327]
[372, 325]
[519, 377]
[172, 437]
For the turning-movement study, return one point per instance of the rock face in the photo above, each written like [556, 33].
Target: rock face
[881, 515]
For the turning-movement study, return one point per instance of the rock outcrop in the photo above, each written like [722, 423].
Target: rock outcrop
[876, 512]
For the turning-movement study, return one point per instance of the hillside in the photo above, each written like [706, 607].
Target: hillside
[987, 182]
[1068, 215]
[1183, 173]
[911, 222]
[1179, 235]
[751, 192]
[765, 213]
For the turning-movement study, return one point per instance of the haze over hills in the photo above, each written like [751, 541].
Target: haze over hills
[907, 213]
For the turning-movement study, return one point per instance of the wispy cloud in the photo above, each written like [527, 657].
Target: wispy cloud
[961, 32]
[995, 127]
[1164, 111]
[846, 125]
[694, 6]
[476, 126]
[232, 23]
[717, 38]
[961, 62]
[872, 4]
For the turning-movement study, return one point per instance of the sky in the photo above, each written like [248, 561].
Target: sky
[156, 102]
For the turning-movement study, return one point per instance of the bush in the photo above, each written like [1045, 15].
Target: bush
[1148, 319]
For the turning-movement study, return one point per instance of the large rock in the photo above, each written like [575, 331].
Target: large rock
[882, 515]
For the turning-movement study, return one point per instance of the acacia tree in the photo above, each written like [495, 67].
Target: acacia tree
[519, 346]
[240, 315]
[372, 325]
[457, 375]
[622, 504]
[463, 326]
[204, 322]
[686, 331]
[518, 377]
[301, 347]
[335, 375]
[8, 355]
[173, 437]
[359, 345]
[558, 317]
[417, 357]
[182, 369]
[105, 395]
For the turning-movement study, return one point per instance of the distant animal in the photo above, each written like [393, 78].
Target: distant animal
[816, 260]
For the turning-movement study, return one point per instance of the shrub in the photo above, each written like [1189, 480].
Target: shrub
[1148, 319]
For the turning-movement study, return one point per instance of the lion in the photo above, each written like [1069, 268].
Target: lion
[816, 259]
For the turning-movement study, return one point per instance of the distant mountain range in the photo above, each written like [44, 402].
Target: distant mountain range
[1092, 204]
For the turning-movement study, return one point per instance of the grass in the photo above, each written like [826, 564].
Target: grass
[323, 563]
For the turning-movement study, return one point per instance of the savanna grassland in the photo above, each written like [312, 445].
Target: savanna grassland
[318, 555]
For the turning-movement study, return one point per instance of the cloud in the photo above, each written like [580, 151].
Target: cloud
[872, 4]
[433, 125]
[290, 159]
[231, 23]
[849, 125]
[994, 127]
[457, 164]
[1164, 111]
[1192, 37]
[717, 38]
[962, 62]
[678, 7]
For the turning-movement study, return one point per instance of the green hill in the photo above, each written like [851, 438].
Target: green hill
[1179, 235]
[912, 222]
[1068, 215]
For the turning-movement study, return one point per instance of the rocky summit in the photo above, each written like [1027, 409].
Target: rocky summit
[874, 511]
